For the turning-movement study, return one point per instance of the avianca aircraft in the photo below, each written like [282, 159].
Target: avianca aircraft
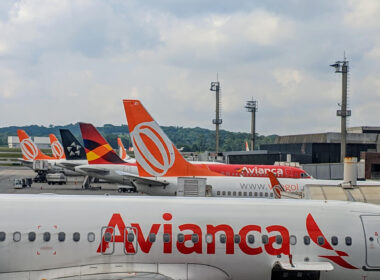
[145, 138]
[123, 152]
[56, 147]
[159, 161]
[156, 238]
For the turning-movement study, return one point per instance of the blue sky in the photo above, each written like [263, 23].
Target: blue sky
[67, 61]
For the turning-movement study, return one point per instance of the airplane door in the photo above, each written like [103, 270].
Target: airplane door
[371, 225]
[107, 245]
[130, 241]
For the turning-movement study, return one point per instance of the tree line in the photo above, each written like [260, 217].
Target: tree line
[189, 139]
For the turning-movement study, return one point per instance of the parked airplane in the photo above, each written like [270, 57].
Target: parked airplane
[156, 238]
[56, 147]
[123, 152]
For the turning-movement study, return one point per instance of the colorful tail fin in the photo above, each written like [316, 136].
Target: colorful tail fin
[56, 147]
[122, 152]
[98, 151]
[29, 149]
[155, 153]
[73, 149]
[246, 146]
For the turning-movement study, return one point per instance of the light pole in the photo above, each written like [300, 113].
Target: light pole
[215, 86]
[251, 107]
[343, 113]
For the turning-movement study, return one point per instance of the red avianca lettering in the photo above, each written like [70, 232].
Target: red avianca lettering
[117, 225]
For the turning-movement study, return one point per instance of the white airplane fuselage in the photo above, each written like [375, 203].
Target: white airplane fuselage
[221, 185]
[278, 229]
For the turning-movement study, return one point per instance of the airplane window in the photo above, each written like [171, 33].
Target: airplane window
[91, 237]
[31, 236]
[152, 237]
[278, 239]
[251, 238]
[2, 236]
[76, 236]
[264, 239]
[334, 240]
[261, 194]
[250, 193]
[348, 241]
[255, 194]
[61, 236]
[218, 193]
[293, 240]
[271, 194]
[237, 238]
[306, 240]
[180, 238]
[229, 193]
[245, 194]
[166, 237]
[222, 238]
[130, 237]
[46, 236]
[209, 238]
[107, 236]
[223, 193]
[234, 193]
[320, 240]
[195, 238]
[266, 194]
[16, 236]
[239, 193]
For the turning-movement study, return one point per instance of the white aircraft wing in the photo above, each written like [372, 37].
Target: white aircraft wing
[69, 164]
[142, 180]
[306, 266]
[96, 170]
[120, 276]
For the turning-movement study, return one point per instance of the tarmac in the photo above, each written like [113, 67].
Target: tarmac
[73, 185]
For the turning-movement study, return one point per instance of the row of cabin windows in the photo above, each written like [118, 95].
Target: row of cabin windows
[180, 238]
[246, 194]
[46, 236]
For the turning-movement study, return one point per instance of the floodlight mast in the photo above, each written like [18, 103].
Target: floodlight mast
[343, 113]
[215, 86]
[252, 107]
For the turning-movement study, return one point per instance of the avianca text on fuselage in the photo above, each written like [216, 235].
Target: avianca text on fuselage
[272, 246]
[259, 171]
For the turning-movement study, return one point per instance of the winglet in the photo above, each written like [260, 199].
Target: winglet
[122, 152]
[276, 186]
[29, 149]
[98, 151]
[56, 147]
[155, 153]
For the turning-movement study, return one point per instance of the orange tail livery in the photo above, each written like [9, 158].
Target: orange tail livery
[56, 147]
[155, 153]
[29, 149]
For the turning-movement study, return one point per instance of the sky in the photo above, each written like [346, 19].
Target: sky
[66, 61]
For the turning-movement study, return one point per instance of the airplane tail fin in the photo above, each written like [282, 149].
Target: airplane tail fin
[122, 152]
[98, 151]
[56, 147]
[29, 149]
[246, 146]
[72, 147]
[155, 153]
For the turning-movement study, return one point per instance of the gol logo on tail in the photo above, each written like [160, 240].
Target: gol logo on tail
[57, 149]
[153, 149]
[29, 149]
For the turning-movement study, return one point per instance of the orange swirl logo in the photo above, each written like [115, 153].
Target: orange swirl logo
[57, 149]
[29, 149]
[153, 149]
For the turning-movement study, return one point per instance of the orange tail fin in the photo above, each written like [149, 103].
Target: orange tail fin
[122, 151]
[276, 186]
[56, 147]
[155, 153]
[29, 149]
